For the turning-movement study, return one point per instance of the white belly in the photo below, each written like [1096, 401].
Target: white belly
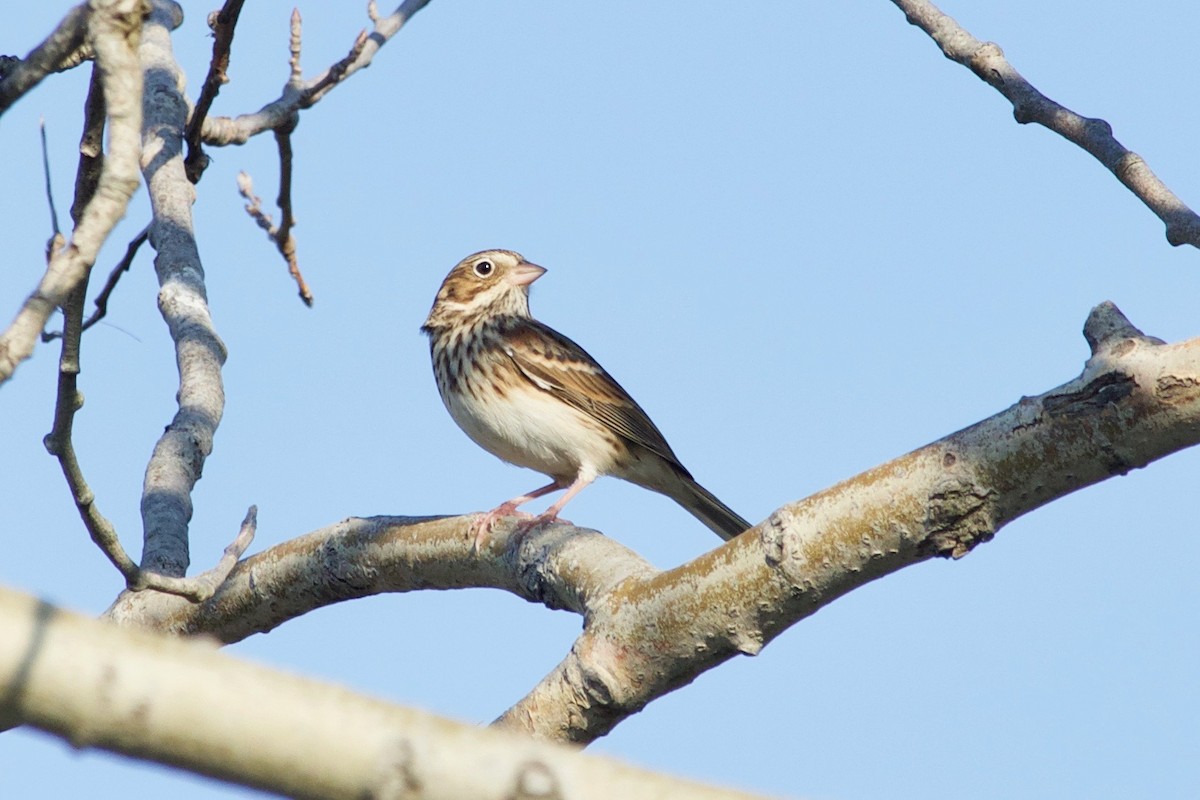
[532, 429]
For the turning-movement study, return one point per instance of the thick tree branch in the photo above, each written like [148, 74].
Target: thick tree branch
[648, 632]
[1137, 400]
[298, 94]
[561, 566]
[183, 704]
[113, 30]
[987, 60]
[178, 458]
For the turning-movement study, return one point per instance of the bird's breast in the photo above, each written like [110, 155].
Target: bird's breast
[510, 417]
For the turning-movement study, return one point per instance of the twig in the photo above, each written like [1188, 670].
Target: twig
[46, 171]
[223, 23]
[59, 444]
[91, 146]
[69, 400]
[101, 301]
[57, 51]
[281, 235]
[91, 163]
[987, 61]
[203, 586]
[220, 131]
[282, 115]
[122, 267]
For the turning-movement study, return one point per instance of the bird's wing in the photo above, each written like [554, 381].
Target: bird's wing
[555, 364]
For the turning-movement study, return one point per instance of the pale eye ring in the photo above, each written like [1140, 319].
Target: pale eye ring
[484, 268]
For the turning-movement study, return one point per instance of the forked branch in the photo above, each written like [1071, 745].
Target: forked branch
[648, 632]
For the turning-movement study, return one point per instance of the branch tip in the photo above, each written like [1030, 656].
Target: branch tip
[1106, 325]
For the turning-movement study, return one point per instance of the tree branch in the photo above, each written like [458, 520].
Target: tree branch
[298, 94]
[987, 61]
[69, 399]
[60, 50]
[649, 632]
[183, 704]
[280, 235]
[560, 566]
[113, 31]
[179, 455]
[1137, 400]
[223, 24]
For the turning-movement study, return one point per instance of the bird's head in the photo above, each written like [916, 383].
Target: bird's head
[485, 284]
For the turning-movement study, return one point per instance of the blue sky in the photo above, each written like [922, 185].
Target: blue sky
[802, 239]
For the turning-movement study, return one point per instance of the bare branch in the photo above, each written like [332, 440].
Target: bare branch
[59, 441]
[113, 31]
[60, 50]
[204, 711]
[179, 455]
[559, 566]
[987, 60]
[101, 301]
[649, 632]
[1137, 400]
[201, 587]
[69, 399]
[223, 24]
[282, 236]
[91, 147]
[297, 95]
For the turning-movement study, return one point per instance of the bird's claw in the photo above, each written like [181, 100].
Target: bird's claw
[483, 526]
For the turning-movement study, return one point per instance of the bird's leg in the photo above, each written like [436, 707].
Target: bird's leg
[551, 513]
[509, 509]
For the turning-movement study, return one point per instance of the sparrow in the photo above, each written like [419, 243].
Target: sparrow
[532, 397]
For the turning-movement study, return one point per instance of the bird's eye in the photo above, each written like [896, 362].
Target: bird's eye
[483, 269]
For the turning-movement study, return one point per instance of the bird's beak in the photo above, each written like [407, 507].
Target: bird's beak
[525, 273]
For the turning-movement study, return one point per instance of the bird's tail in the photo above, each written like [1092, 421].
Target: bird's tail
[705, 507]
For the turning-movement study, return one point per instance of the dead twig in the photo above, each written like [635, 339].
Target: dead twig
[223, 23]
[281, 235]
[101, 301]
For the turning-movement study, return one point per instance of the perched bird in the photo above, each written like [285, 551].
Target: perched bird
[532, 397]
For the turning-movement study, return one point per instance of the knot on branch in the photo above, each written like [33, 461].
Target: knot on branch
[959, 516]
[1098, 395]
[343, 573]
[537, 574]
[7, 65]
[986, 62]
[1176, 389]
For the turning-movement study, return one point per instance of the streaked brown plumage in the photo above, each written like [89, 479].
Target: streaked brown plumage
[532, 397]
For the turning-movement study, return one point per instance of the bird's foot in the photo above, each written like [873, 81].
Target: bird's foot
[545, 518]
[484, 525]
